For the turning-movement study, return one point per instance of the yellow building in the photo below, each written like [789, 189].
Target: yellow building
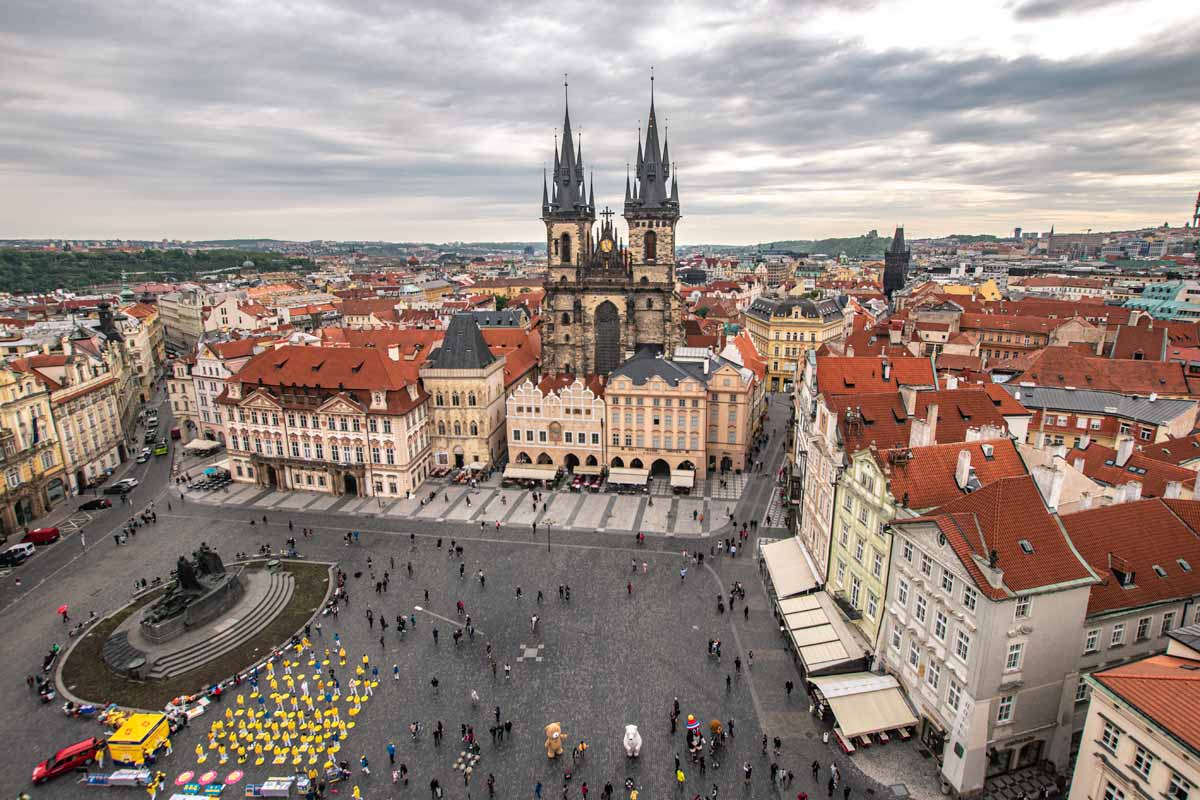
[784, 328]
[30, 457]
[988, 290]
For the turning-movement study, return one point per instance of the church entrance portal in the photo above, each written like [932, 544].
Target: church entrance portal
[608, 338]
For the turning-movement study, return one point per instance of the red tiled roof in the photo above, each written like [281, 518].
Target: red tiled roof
[750, 357]
[139, 310]
[1136, 537]
[556, 382]
[1099, 464]
[1174, 451]
[864, 374]
[886, 424]
[1014, 324]
[953, 362]
[1162, 690]
[1007, 405]
[1063, 366]
[503, 341]
[1135, 341]
[1007, 512]
[926, 478]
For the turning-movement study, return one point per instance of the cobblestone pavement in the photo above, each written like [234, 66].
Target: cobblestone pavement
[608, 657]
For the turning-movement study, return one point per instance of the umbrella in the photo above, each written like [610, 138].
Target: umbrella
[62, 609]
[210, 471]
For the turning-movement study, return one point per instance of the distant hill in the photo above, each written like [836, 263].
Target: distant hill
[24, 271]
[867, 246]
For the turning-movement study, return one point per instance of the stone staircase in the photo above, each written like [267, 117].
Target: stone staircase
[253, 620]
[118, 652]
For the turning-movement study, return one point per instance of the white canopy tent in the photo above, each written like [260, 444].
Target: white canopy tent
[201, 445]
[628, 475]
[788, 568]
[865, 703]
[533, 472]
[683, 478]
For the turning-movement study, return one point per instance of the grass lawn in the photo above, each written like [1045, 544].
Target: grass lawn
[87, 676]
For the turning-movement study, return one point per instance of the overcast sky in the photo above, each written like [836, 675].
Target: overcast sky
[367, 119]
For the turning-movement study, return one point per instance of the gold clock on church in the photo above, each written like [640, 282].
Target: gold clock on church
[607, 299]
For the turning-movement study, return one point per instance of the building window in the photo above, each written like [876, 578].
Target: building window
[970, 596]
[1022, 609]
[914, 655]
[896, 638]
[953, 694]
[376, 455]
[947, 581]
[1111, 792]
[1081, 690]
[841, 572]
[1004, 711]
[1168, 623]
[1143, 629]
[855, 590]
[1092, 643]
[907, 551]
[872, 605]
[939, 626]
[295, 449]
[962, 646]
[517, 436]
[1178, 788]
[933, 674]
[926, 566]
[1143, 761]
[1110, 737]
[858, 549]
[922, 608]
[1013, 661]
[902, 592]
[1118, 635]
[876, 563]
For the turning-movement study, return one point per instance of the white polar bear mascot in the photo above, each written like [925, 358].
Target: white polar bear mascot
[632, 741]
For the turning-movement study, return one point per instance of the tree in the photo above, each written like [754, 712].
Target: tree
[702, 312]
[501, 302]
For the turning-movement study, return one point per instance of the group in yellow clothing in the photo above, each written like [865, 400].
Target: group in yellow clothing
[290, 720]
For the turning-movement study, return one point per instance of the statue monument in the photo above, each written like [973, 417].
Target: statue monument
[202, 590]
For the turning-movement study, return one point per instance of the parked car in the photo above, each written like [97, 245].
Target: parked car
[77, 756]
[123, 486]
[42, 536]
[16, 554]
[95, 504]
[144, 456]
[161, 449]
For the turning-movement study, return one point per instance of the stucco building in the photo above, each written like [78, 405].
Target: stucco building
[560, 420]
[785, 328]
[34, 479]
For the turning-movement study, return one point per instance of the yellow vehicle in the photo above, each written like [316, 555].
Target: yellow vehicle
[140, 737]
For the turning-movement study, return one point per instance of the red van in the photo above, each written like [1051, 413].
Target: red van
[77, 756]
[42, 536]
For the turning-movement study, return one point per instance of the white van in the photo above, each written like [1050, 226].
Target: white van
[16, 554]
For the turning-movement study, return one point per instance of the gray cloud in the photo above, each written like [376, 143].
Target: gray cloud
[1045, 9]
[359, 119]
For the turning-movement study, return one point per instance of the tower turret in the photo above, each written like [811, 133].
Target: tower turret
[569, 211]
[652, 208]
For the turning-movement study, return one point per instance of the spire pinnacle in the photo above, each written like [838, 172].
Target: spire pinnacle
[545, 191]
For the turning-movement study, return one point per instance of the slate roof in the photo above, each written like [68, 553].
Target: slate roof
[463, 346]
[1161, 411]
[1165, 689]
[505, 318]
[765, 307]
[1135, 538]
[642, 367]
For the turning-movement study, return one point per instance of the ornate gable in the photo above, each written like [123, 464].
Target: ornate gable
[341, 404]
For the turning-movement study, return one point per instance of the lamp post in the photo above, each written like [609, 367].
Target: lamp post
[547, 537]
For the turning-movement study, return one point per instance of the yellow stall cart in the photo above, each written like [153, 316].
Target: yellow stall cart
[139, 738]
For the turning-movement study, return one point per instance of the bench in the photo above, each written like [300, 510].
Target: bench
[846, 745]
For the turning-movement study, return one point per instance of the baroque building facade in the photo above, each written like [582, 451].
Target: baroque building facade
[604, 299]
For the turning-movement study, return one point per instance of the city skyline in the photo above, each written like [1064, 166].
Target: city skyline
[348, 120]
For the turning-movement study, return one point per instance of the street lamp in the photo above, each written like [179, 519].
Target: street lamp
[547, 537]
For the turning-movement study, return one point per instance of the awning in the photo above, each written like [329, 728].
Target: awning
[531, 472]
[685, 478]
[865, 703]
[823, 640]
[477, 466]
[585, 469]
[788, 569]
[628, 475]
[198, 445]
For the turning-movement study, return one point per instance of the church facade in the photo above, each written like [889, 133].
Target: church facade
[605, 299]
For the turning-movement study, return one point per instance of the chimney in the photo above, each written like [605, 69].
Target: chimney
[1060, 451]
[1134, 490]
[962, 471]
[393, 352]
[1124, 449]
[1078, 463]
[887, 370]
[412, 391]
[951, 382]
[850, 351]
[1173, 491]
[893, 336]
[931, 417]
[908, 396]
[1084, 441]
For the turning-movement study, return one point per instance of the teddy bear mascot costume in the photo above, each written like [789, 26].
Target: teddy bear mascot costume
[554, 740]
[632, 741]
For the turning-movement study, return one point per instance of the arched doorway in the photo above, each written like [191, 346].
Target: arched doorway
[1030, 754]
[81, 481]
[660, 469]
[726, 464]
[571, 461]
[350, 484]
[272, 478]
[591, 461]
[636, 464]
[23, 509]
[544, 458]
[608, 338]
[523, 458]
[221, 437]
[459, 461]
[686, 465]
[618, 463]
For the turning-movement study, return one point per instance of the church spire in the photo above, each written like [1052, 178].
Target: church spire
[652, 162]
[545, 193]
[568, 194]
[628, 196]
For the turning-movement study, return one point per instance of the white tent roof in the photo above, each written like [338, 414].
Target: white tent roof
[628, 475]
[535, 472]
[201, 444]
[683, 477]
[865, 703]
[787, 567]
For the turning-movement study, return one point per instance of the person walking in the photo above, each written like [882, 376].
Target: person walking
[816, 771]
[537, 790]
[391, 751]
[832, 785]
[846, 792]
[364, 765]
[435, 789]
[747, 771]
[491, 785]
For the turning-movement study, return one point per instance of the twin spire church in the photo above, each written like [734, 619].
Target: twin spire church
[606, 300]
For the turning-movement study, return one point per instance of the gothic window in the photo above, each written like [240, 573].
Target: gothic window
[441, 428]
[649, 303]
[457, 428]
[566, 318]
[567, 339]
[608, 338]
[565, 250]
[650, 244]
[474, 429]
[454, 399]
[441, 401]
[471, 399]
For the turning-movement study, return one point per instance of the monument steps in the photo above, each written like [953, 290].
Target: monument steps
[118, 650]
[282, 585]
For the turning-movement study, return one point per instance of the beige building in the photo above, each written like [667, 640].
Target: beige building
[181, 391]
[467, 385]
[1141, 739]
[559, 421]
[345, 420]
[182, 315]
[30, 458]
[785, 328]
